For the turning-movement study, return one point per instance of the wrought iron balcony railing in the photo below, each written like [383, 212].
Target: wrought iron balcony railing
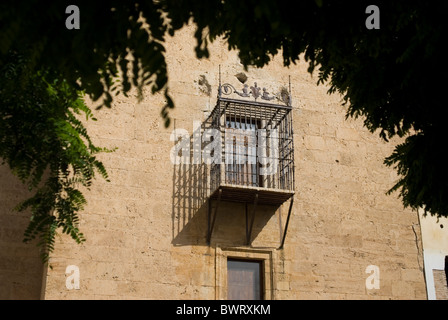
[256, 150]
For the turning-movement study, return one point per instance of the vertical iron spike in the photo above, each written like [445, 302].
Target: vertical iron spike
[290, 94]
[219, 85]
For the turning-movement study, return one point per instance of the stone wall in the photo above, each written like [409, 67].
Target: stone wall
[441, 286]
[21, 268]
[146, 229]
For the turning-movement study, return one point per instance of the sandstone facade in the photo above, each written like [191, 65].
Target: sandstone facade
[146, 229]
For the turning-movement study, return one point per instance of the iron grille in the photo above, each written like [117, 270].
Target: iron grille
[256, 140]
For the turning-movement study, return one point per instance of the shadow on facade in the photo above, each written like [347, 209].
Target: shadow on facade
[189, 205]
[190, 211]
[240, 217]
[21, 268]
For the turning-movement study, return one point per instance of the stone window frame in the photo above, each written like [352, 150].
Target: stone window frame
[243, 253]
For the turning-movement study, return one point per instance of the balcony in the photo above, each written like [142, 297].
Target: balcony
[252, 159]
